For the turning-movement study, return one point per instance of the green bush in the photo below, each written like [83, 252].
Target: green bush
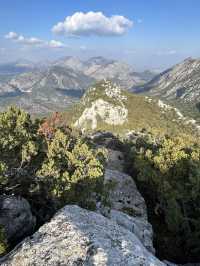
[170, 169]
[47, 163]
[72, 170]
[19, 145]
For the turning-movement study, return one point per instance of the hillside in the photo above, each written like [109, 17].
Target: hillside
[106, 106]
[179, 85]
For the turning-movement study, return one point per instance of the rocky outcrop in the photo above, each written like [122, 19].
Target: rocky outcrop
[103, 103]
[127, 207]
[124, 195]
[16, 218]
[137, 225]
[79, 237]
[107, 112]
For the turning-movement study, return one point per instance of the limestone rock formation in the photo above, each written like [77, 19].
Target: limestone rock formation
[109, 113]
[124, 195]
[127, 207]
[79, 237]
[137, 225]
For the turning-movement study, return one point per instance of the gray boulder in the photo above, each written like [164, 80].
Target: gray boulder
[124, 195]
[79, 237]
[128, 208]
[16, 217]
[140, 227]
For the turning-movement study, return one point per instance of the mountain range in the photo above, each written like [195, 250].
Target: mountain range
[49, 86]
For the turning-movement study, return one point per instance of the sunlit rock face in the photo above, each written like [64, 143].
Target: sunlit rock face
[107, 107]
[109, 113]
[79, 237]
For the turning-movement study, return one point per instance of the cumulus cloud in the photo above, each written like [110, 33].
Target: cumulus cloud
[32, 41]
[93, 23]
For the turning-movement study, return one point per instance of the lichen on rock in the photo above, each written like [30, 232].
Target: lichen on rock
[80, 237]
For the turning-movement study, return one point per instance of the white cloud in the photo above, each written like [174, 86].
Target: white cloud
[93, 23]
[55, 44]
[29, 41]
[21, 39]
[11, 35]
[32, 41]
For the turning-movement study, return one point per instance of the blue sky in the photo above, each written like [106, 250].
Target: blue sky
[152, 33]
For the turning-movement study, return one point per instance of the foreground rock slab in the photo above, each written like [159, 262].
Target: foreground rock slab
[79, 237]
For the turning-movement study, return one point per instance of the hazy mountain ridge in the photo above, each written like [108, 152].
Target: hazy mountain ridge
[57, 84]
[100, 68]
